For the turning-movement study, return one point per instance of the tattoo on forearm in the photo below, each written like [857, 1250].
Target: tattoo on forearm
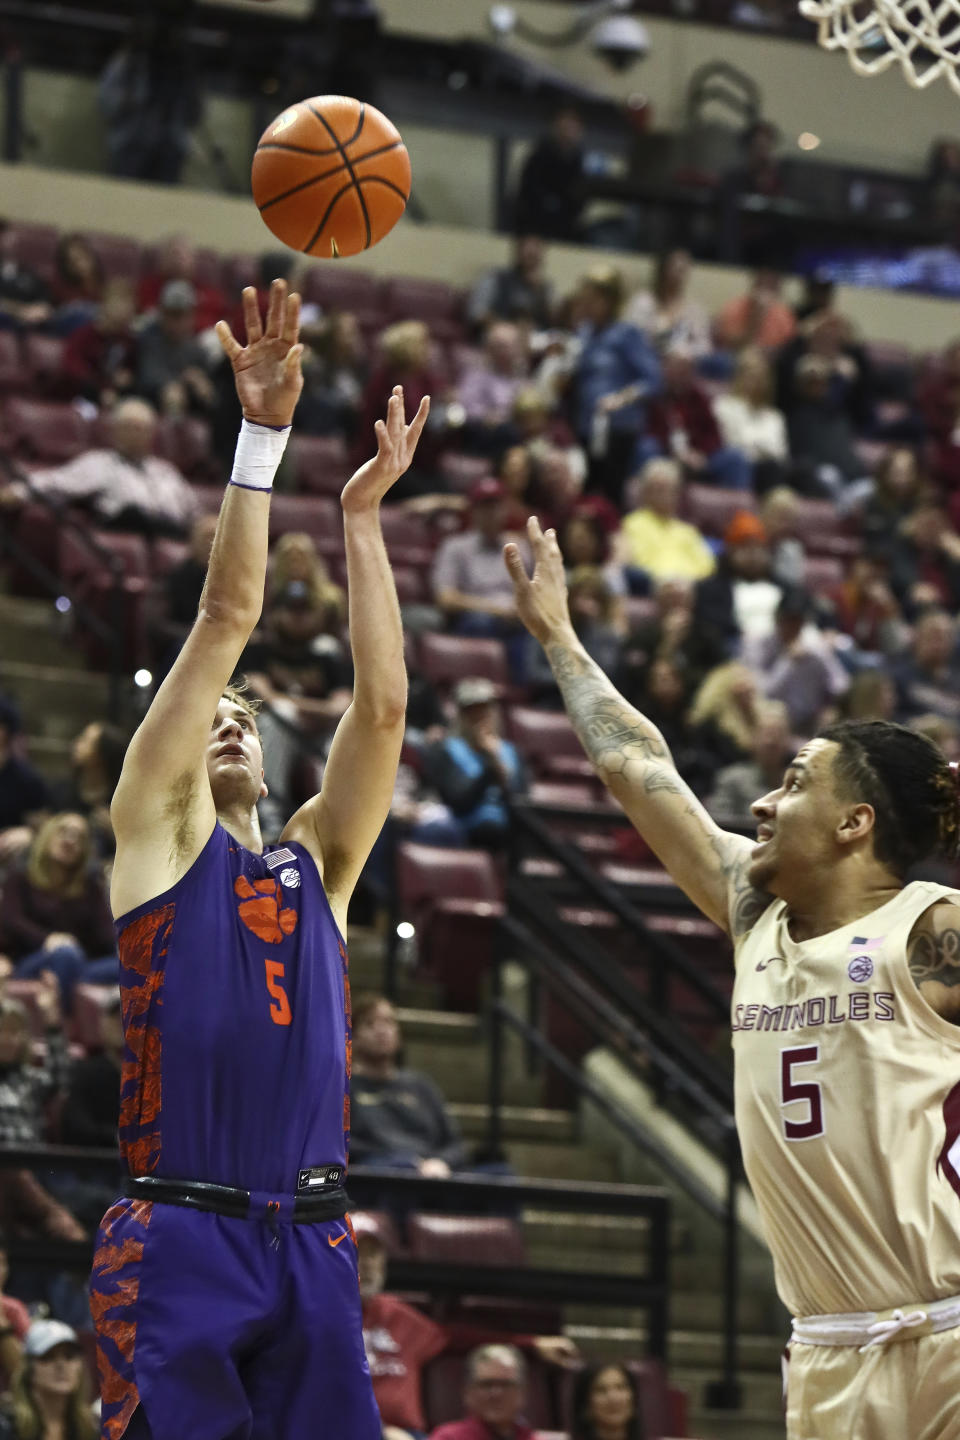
[935, 957]
[610, 730]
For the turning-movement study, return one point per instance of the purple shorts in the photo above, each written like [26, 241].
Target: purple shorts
[215, 1328]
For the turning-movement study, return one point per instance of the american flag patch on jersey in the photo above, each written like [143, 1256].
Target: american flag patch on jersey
[857, 943]
[278, 857]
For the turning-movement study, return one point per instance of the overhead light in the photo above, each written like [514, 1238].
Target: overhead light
[808, 141]
[142, 679]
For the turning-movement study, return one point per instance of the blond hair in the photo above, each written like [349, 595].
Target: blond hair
[39, 871]
[324, 594]
[715, 702]
[27, 1418]
[401, 343]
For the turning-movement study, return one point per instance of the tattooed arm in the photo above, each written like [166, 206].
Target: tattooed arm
[933, 954]
[631, 756]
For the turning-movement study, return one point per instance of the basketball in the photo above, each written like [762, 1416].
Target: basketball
[331, 176]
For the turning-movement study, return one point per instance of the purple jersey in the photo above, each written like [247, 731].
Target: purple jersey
[236, 1011]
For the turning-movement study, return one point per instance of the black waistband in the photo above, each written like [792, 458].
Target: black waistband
[227, 1200]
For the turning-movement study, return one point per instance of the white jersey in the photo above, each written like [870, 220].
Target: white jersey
[848, 1108]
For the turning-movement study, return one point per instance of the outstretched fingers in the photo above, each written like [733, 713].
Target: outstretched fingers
[516, 570]
[415, 428]
[229, 343]
[251, 315]
[291, 319]
[276, 310]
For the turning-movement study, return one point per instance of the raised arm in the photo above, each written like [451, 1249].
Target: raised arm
[630, 755]
[340, 825]
[163, 810]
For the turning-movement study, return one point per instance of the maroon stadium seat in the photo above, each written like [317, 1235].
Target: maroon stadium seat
[43, 363]
[454, 899]
[14, 372]
[823, 573]
[27, 993]
[35, 246]
[445, 659]
[337, 289]
[78, 561]
[44, 431]
[185, 441]
[427, 300]
[816, 521]
[406, 535]
[121, 257]
[711, 508]
[462, 472]
[85, 1026]
[474, 1239]
[317, 515]
[548, 742]
[319, 464]
[571, 794]
[167, 554]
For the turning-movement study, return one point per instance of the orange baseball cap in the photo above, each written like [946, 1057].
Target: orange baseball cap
[743, 527]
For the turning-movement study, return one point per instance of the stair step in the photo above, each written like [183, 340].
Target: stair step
[562, 1162]
[32, 632]
[762, 1390]
[60, 701]
[520, 1122]
[600, 1235]
[734, 1425]
[698, 1311]
[697, 1348]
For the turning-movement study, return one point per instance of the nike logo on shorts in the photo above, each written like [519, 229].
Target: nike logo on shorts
[335, 1242]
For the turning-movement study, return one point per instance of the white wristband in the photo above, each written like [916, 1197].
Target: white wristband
[259, 452]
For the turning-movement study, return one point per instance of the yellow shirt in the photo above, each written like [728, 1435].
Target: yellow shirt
[666, 549]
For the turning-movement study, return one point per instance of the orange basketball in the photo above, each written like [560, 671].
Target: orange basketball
[331, 176]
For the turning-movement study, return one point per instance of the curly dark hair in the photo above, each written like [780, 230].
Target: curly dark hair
[908, 781]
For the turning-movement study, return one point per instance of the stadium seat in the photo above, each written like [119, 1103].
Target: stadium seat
[337, 289]
[35, 247]
[454, 899]
[462, 472]
[711, 508]
[548, 742]
[406, 535]
[166, 555]
[569, 794]
[26, 993]
[85, 1025]
[816, 521]
[78, 561]
[317, 515]
[427, 300]
[43, 431]
[43, 363]
[474, 1239]
[319, 464]
[185, 440]
[445, 659]
[121, 257]
[14, 372]
[823, 573]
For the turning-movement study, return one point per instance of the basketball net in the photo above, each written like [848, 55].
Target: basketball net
[923, 36]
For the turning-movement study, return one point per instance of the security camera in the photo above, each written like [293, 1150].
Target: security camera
[621, 41]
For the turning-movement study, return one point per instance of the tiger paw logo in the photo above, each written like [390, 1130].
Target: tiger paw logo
[260, 911]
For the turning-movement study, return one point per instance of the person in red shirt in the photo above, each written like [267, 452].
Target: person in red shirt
[682, 422]
[400, 1340]
[100, 358]
[176, 259]
[493, 1395]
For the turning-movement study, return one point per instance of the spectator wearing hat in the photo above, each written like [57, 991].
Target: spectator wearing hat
[474, 772]
[23, 791]
[681, 420]
[797, 664]
[739, 601]
[493, 1396]
[618, 371]
[172, 369]
[125, 487]
[654, 540]
[49, 1398]
[470, 581]
[400, 1340]
[759, 317]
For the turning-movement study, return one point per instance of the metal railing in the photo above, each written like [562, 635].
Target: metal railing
[465, 1194]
